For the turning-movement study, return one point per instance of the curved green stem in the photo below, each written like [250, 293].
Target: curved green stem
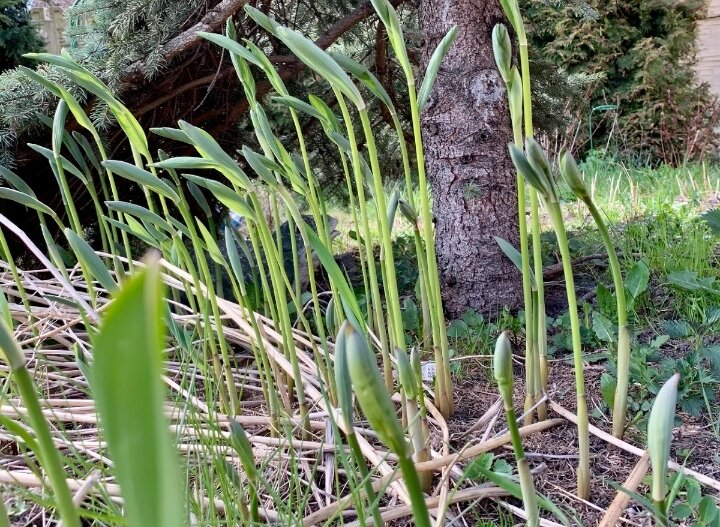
[417, 499]
[49, 456]
[583, 471]
[623, 349]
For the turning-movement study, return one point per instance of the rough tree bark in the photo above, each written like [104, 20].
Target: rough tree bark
[466, 130]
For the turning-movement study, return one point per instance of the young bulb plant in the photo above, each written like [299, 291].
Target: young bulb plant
[535, 168]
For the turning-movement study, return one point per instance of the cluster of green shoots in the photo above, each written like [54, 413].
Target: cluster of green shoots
[535, 179]
[132, 412]
[165, 220]
[190, 243]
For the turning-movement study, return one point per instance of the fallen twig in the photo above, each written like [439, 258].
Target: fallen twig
[627, 447]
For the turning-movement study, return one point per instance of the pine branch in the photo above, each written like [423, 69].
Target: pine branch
[211, 22]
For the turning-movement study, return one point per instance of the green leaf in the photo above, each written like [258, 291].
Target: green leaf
[513, 488]
[229, 44]
[607, 388]
[366, 77]
[410, 317]
[199, 198]
[209, 149]
[676, 329]
[605, 298]
[682, 511]
[225, 195]
[708, 510]
[434, 66]
[172, 133]
[515, 257]
[211, 245]
[129, 392]
[712, 355]
[458, 329]
[712, 315]
[133, 227]
[689, 281]
[90, 260]
[642, 500]
[142, 177]
[262, 166]
[83, 77]
[336, 275]
[500, 466]
[484, 461]
[264, 21]
[140, 212]
[16, 181]
[57, 90]
[712, 219]
[26, 200]
[637, 279]
[604, 329]
[693, 492]
[5, 310]
[319, 60]
[299, 105]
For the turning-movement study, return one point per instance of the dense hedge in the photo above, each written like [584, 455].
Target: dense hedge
[638, 55]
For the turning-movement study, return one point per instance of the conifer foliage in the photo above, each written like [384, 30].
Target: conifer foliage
[638, 56]
[17, 34]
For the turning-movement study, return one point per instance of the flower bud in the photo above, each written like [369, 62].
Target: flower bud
[371, 393]
[342, 378]
[659, 435]
[539, 161]
[571, 174]
[502, 364]
[408, 213]
[502, 49]
[526, 170]
[406, 375]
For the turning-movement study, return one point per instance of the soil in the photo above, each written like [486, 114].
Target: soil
[553, 453]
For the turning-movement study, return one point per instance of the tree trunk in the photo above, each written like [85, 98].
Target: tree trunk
[466, 131]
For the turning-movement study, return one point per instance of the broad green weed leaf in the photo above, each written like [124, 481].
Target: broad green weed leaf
[604, 329]
[637, 279]
[129, 392]
[712, 219]
[411, 319]
[712, 355]
[712, 315]
[689, 281]
[676, 329]
[608, 383]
